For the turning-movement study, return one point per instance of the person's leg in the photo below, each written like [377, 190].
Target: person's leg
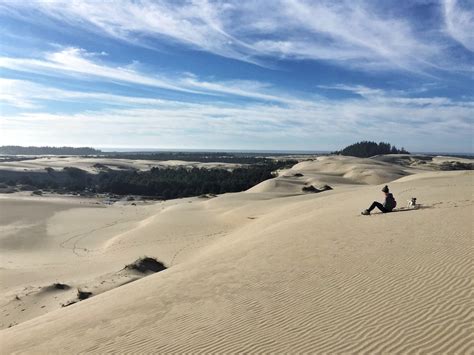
[378, 205]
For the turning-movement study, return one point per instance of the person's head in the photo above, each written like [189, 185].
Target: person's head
[385, 189]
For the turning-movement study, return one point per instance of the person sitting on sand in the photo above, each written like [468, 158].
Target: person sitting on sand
[388, 205]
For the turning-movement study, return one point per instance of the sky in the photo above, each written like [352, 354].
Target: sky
[249, 75]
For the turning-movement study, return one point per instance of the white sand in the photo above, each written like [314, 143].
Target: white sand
[261, 271]
[334, 171]
[89, 164]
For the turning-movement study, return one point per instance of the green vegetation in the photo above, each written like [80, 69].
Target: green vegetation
[166, 183]
[456, 165]
[181, 182]
[311, 188]
[366, 149]
[146, 264]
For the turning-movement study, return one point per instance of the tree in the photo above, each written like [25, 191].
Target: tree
[366, 149]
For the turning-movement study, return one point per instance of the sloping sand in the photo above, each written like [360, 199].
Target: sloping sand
[422, 162]
[260, 271]
[335, 171]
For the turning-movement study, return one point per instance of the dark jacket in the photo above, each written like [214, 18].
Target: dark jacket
[389, 202]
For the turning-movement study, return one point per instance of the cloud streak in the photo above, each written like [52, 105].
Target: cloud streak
[347, 33]
[460, 22]
[76, 62]
[29, 95]
[377, 114]
[79, 64]
[300, 106]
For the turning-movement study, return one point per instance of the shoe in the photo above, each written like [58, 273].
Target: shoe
[365, 213]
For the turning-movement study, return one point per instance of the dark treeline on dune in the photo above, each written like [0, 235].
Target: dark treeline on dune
[166, 183]
[181, 182]
[366, 149]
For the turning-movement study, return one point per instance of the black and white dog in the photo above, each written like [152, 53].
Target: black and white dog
[412, 203]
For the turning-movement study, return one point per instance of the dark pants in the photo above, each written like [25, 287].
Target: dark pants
[379, 206]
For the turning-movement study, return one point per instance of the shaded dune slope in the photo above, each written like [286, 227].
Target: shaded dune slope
[334, 171]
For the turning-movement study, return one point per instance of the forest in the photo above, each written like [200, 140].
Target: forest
[160, 183]
[367, 149]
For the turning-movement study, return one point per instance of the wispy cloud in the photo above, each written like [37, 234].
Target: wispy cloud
[459, 20]
[29, 95]
[395, 96]
[377, 114]
[79, 64]
[198, 24]
[349, 33]
[173, 108]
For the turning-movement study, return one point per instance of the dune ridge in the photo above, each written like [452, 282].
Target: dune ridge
[269, 271]
[96, 165]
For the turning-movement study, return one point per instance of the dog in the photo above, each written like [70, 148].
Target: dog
[412, 203]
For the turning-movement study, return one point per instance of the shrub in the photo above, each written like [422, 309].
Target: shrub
[146, 264]
[311, 188]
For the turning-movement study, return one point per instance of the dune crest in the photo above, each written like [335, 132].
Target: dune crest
[332, 171]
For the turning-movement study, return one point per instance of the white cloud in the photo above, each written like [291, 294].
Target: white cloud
[356, 89]
[77, 62]
[459, 21]
[29, 95]
[350, 33]
[80, 64]
[376, 115]
[394, 96]
[194, 23]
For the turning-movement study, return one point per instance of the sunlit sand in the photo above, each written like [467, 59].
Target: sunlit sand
[271, 269]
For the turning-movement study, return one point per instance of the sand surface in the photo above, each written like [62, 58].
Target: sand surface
[95, 165]
[272, 269]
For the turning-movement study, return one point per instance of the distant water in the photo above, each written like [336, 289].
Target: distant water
[260, 151]
[451, 154]
[256, 151]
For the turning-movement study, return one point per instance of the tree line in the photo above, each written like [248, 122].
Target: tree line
[366, 149]
[162, 183]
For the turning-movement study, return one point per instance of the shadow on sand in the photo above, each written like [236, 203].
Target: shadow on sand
[406, 209]
[403, 209]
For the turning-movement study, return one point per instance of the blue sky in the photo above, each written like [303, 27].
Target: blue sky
[266, 74]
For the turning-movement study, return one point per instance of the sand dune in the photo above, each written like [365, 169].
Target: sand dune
[333, 171]
[268, 270]
[95, 165]
[422, 162]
